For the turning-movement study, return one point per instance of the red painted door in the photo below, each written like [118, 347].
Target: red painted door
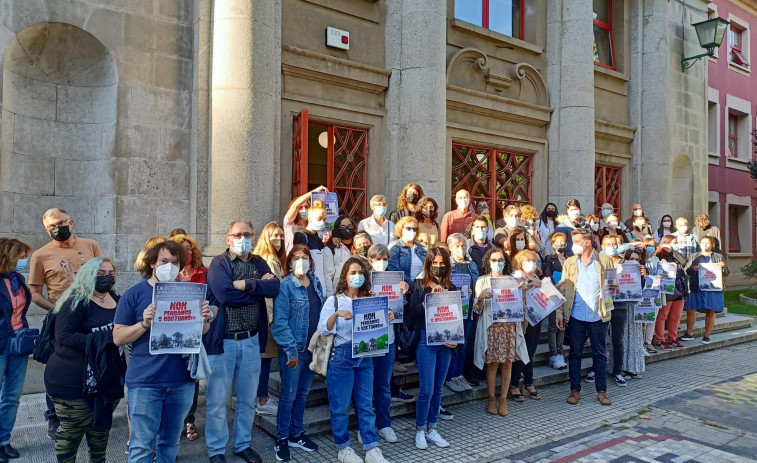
[300, 154]
[608, 186]
[347, 169]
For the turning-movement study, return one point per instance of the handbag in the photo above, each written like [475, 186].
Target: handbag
[22, 343]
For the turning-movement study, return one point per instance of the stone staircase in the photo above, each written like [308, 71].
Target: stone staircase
[729, 329]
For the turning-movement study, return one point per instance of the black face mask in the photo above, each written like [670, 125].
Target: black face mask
[428, 213]
[560, 248]
[346, 232]
[363, 251]
[60, 233]
[438, 271]
[412, 198]
[551, 214]
[104, 283]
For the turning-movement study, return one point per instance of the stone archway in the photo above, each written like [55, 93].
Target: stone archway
[683, 186]
[60, 98]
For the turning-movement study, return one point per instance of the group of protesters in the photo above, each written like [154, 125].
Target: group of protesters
[285, 293]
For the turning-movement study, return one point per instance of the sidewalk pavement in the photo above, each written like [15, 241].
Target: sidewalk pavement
[476, 436]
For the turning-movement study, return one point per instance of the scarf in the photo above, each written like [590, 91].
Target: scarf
[15, 284]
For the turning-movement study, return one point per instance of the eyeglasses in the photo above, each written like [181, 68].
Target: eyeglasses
[57, 224]
[237, 236]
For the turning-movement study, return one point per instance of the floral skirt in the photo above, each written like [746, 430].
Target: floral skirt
[500, 343]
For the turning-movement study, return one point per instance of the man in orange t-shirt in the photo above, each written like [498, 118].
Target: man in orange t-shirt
[457, 221]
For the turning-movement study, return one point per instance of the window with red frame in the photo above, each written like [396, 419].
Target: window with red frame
[503, 16]
[736, 39]
[733, 135]
[734, 240]
[603, 47]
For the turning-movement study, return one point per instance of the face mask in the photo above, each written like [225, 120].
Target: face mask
[363, 251]
[498, 267]
[166, 272]
[520, 245]
[380, 211]
[276, 243]
[479, 234]
[60, 233]
[560, 248]
[412, 197]
[529, 267]
[683, 228]
[303, 214]
[301, 266]
[356, 281]
[594, 226]
[104, 283]
[346, 232]
[676, 247]
[408, 236]
[667, 224]
[458, 253]
[21, 264]
[428, 213]
[551, 214]
[706, 246]
[438, 271]
[512, 222]
[317, 225]
[380, 265]
[242, 246]
[574, 214]
[638, 213]
[612, 225]
[611, 251]
[577, 249]
[650, 249]
[463, 203]
[606, 212]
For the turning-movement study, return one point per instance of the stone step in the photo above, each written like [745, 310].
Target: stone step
[409, 380]
[317, 417]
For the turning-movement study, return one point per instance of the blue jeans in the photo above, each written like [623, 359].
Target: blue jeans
[433, 362]
[239, 363]
[597, 332]
[349, 378]
[157, 417]
[12, 374]
[265, 374]
[457, 364]
[383, 366]
[295, 386]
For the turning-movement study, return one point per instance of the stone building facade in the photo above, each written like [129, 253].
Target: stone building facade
[138, 116]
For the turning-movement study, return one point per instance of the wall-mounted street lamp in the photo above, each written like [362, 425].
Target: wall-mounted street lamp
[710, 34]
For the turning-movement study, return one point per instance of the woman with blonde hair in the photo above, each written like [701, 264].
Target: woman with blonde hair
[528, 273]
[139, 264]
[406, 254]
[407, 202]
[703, 227]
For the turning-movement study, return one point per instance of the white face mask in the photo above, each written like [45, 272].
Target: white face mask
[577, 249]
[166, 272]
[594, 226]
[301, 267]
[512, 222]
[479, 233]
[612, 225]
[706, 246]
[638, 213]
[380, 265]
[408, 236]
[463, 203]
[529, 267]
[573, 214]
[520, 245]
[683, 228]
[380, 211]
[666, 224]
[458, 253]
[318, 225]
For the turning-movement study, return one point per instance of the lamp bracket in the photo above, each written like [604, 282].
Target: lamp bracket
[687, 63]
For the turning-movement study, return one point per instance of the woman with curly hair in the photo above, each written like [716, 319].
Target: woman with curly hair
[427, 213]
[407, 202]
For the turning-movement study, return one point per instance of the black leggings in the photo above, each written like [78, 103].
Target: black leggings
[532, 341]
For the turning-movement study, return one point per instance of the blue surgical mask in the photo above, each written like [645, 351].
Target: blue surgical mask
[612, 251]
[21, 264]
[318, 225]
[606, 212]
[676, 247]
[242, 246]
[650, 249]
[498, 267]
[356, 281]
[479, 233]
[303, 214]
[380, 211]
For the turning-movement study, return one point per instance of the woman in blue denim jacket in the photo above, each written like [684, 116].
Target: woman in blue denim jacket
[406, 254]
[296, 311]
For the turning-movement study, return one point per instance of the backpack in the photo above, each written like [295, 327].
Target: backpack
[44, 345]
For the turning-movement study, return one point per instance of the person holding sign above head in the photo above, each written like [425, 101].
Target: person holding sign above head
[706, 270]
[380, 229]
[433, 360]
[315, 237]
[527, 273]
[407, 202]
[349, 379]
[296, 313]
[85, 310]
[296, 217]
[495, 343]
[583, 311]
[160, 386]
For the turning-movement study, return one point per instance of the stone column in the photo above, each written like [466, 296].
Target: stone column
[570, 81]
[417, 96]
[243, 102]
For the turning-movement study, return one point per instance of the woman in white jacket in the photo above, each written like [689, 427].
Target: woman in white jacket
[315, 237]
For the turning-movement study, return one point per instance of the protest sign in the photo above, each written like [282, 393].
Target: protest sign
[710, 277]
[370, 326]
[462, 282]
[177, 326]
[330, 203]
[645, 310]
[444, 318]
[507, 300]
[388, 284]
[668, 271]
[542, 301]
[609, 286]
[629, 282]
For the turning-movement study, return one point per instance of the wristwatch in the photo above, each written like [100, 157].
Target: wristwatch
[142, 323]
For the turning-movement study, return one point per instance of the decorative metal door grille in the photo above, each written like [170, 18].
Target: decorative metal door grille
[498, 177]
[347, 169]
[608, 186]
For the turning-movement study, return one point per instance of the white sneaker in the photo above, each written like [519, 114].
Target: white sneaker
[553, 362]
[270, 408]
[454, 386]
[347, 455]
[436, 438]
[388, 434]
[464, 383]
[420, 439]
[374, 455]
[562, 364]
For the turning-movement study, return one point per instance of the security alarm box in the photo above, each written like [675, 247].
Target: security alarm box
[337, 38]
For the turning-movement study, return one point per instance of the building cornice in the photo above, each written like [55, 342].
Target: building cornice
[613, 131]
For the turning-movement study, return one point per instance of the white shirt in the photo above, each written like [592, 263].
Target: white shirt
[342, 328]
[380, 234]
[416, 264]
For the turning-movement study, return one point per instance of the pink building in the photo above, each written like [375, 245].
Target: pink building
[732, 97]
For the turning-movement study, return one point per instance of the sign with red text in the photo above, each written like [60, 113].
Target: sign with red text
[177, 326]
[388, 284]
[542, 301]
[444, 318]
[370, 326]
[710, 277]
[629, 282]
[507, 300]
